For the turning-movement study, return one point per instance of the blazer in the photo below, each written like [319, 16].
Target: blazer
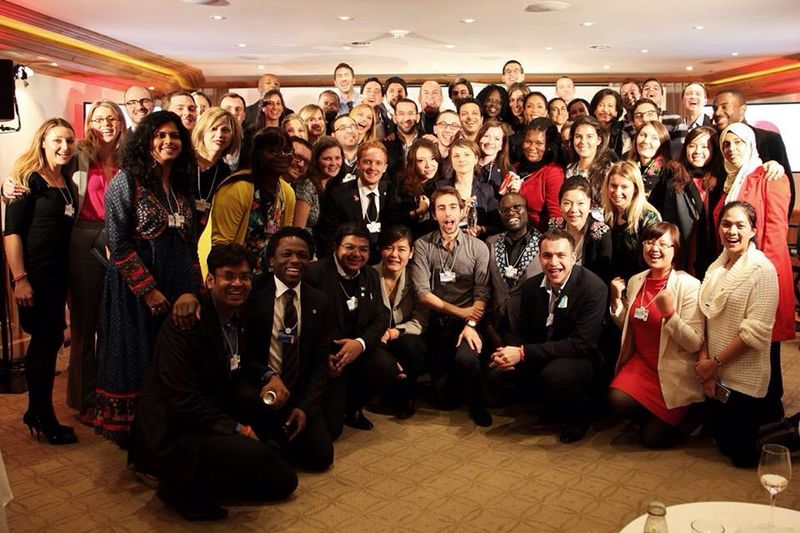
[577, 318]
[343, 204]
[315, 326]
[409, 315]
[192, 392]
[682, 335]
[373, 316]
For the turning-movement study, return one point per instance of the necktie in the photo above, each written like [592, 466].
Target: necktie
[372, 208]
[291, 360]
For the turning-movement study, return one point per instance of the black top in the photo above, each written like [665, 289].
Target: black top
[39, 218]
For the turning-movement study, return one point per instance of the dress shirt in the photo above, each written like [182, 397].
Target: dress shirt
[276, 346]
[363, 194]
[343, 109]
[343, 274]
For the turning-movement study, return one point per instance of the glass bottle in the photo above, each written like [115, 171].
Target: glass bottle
[656, 518]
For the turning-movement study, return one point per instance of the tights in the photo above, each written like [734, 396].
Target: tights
[653, 432]
[40, 368]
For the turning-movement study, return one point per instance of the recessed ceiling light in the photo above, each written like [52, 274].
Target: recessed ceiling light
[345, 47]
[242, 45]
[53, 64]
[644, 50]
[606, 67]
[261, 67]
[699, 27]
[734, 54]
[449, 46]
[548, 47]
[399, 34]
[345, 18]
[468, 21]
[151, 88]
[217, 17]
[689, 68]
[587, 24]
[543, 7]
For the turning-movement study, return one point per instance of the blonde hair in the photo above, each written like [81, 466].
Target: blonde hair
[370, 134]
[206, 121]
[297, 118]
[34, 158]
[639, 204]
[90, 145]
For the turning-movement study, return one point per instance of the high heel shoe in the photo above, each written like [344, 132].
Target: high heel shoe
[50, 430]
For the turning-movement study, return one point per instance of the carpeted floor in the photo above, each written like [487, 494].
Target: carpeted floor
[434, 472]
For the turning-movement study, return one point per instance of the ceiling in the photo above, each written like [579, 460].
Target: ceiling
[305, 37]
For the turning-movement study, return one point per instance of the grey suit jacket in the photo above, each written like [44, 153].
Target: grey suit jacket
[407, 312]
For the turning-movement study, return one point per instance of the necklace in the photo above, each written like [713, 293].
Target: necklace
[641, 312]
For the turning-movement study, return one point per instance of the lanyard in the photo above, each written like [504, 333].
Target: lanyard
[213, 182]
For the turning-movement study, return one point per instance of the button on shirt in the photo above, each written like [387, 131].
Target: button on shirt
[554, 295]
[275, 346]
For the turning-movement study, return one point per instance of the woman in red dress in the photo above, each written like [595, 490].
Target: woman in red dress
[662, 331]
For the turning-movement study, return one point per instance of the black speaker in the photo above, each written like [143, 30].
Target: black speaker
[6, 89]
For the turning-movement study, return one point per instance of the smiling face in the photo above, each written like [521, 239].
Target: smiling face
[166, 143]
[471, 119]
[620, 192]
[300, 162]
[585, 141]
[698, 151]
[575, 206]
[396, 255]
[659, 253]
[218, 137]
[447, 213]
[516, 103]
[459, 92]
[230, 286]
[363, 117]
[138, 103]
[734, 149]
[330, 161]
[557, 259]
[727, 110]
[371, 166]
[630, 93]
[291, 259]
[576, 110]
[105, 125]
[272, 108]
[446, 128]
[58, 145]
[652, 90]
[352, 254]
[512, 73]
[535, 107]
[345, 130]
[644, 112]
[394, 93]
[606, 110]
[343, 80]
[557, 111]
[425, 163]
[647, 143]
[736, 231]
[316, 123]
[534, 146]
[183, 106]
[235, 106]
[565, 88]
[513, 212]
[463, 159]
[372, 93]
[694, 99]
[493, 104]
[491, 142]
[406, 117]
[430, 96]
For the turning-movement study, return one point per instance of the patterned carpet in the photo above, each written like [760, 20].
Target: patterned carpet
[435, 472]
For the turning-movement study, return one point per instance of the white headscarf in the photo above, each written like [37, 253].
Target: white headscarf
[750, 159]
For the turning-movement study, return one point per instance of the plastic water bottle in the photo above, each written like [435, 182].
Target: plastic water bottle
[656, 518]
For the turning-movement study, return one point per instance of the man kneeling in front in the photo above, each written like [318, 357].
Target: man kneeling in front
[561, 316]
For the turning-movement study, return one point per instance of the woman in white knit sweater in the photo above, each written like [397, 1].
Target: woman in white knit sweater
[738, 297]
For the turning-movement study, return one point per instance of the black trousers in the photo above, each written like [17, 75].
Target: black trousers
[564, 386]
[455, 370]
[368, 376]
[410, 351]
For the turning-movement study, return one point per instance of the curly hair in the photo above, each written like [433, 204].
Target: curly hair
[484, 94]
[137, 158]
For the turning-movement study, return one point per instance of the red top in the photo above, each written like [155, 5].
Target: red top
[94, 200]
[540, 190]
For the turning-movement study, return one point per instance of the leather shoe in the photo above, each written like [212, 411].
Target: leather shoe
[481, 416]
[573, 432]
[192, 509]
[357, 420]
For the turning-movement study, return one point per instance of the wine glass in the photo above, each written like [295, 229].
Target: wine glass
[774, 471]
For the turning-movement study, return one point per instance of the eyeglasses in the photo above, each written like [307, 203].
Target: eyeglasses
[445, 125]
[107, 120]
[652, 113]
[515, 207]
[350, 248]
[230, 277]
[282, 152]
[349, 127]
[651, 243]
[140, 101]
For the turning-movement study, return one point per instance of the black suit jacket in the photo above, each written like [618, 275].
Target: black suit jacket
[342, 204]
[372, 314]
[397, 157]
[577, 318]
[192, 391]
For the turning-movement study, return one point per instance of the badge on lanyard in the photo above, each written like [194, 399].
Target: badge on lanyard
[352, 303]
[510, 271]
[563, 303]
[374, 227]
[176, 220]
[447, 276]
[641, 313]
[202, 205]
[235, 360]
[69, 210]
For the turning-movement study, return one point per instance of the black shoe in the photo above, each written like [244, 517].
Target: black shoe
[49, 430]
[481, 416]
[405, 409]
[357, 420]
[192, 509]
[573, 432]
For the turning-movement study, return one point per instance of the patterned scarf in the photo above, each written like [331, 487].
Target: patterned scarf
[530, 251]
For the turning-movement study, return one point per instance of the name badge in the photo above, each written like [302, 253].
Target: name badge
[563, 303]
[352, 303]
[175, 220]
[235, 360]
[69, 210]
[640, 313]
[286, 338]
[510, 271]
[202, 205]
[447, 276]
[374, 227]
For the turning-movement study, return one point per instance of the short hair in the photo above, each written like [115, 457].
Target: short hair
[518, 86]
[648, 80]
[466, 143]
[329, 92]
[748, 209]
[553, 100]
[459, 81]
[350, 229]
[392, 80]
[341, 117]
[512, 194]
[565, 78]
[300, 140]
[576, 183]
[232, 95]
[509, 62]
[657, 229]
[344, 65]
[394, 233]
[371, 145]
[230, 254]
[470, 100]
[200, 93]
[642, 101]
[284, 233]
[371, 79]
[556, 234]
[169, 96]
[407, 101]
[628, 82]
[602, 93]
[444, 191]
[735, 92]
[699, 84]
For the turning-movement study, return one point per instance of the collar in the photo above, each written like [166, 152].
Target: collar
[341, 271]
[365, 189]
[439, 241]
[281, 287]
[549, 288]
[525, 238]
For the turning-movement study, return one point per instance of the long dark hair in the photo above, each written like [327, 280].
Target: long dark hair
[137, 159]
[683, 170]
[412, 181]
[546, 126]
[486, 92]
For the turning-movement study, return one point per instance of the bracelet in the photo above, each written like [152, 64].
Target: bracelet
[20, 277]
[717, 360]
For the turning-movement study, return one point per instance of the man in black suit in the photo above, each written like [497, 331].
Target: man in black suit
[561, 317]
[193, 420]
[406, 118]
[359, 367]
[266, 82]
[361, 201]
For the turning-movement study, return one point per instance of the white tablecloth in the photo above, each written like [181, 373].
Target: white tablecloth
[736, 517]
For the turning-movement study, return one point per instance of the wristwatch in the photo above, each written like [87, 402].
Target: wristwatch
[472, 323]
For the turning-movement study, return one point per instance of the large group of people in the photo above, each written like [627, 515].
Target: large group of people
[239, 277]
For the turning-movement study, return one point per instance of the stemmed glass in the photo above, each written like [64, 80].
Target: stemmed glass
[774, 471]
